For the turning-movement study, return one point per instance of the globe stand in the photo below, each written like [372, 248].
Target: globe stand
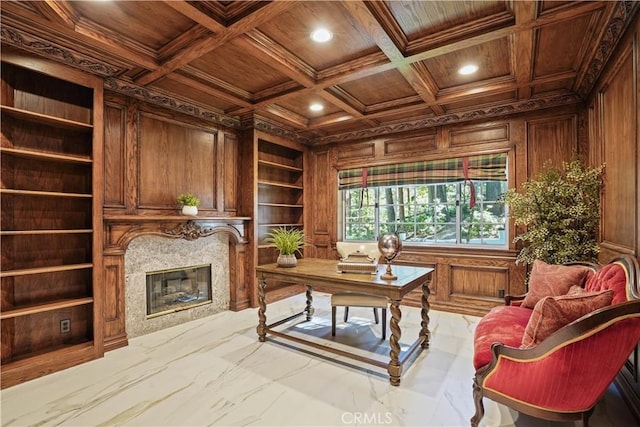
[388, 275]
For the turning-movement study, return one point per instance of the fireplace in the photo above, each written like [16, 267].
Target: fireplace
[172, 283]
[177, 289]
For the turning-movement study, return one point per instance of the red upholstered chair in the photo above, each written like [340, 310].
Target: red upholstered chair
[562, 377]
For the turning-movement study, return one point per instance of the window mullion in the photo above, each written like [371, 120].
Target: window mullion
[458, 213]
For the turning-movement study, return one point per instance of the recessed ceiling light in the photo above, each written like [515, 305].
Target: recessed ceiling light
[468, 69]
[321, 35]
[316, 107]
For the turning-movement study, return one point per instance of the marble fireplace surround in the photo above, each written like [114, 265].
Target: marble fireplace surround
[135, 244]
[157, 253]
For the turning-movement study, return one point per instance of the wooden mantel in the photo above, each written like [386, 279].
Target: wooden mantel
[120, 230]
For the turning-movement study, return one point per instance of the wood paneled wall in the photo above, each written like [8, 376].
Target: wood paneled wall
[466, 280]
[153, 155]
[614, 139]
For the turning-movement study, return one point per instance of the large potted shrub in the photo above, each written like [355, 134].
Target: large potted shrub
[560, 213]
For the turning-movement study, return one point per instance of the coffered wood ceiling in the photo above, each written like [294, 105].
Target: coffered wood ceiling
[391, 65]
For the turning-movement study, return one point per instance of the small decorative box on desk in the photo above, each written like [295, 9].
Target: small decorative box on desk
[358, 262]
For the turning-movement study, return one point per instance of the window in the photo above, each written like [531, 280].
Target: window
[433, 204]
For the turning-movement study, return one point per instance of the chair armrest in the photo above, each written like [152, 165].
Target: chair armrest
[579, 329]
[576, 362]
[509, 299]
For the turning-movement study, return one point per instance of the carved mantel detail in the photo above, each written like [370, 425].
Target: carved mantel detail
[120, 230]
[192, 231]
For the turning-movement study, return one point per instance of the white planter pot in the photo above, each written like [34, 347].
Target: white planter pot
[190, 210]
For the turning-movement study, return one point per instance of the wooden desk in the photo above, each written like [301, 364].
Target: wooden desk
[323, 272]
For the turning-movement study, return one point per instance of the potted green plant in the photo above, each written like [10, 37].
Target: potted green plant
[288, 241]
[560, 209]
[189, 204]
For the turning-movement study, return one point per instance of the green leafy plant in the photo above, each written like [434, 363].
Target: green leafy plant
[560, 209]
[188, 199]
[287, 240]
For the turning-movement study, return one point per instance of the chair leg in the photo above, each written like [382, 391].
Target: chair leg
[384, 324]
[333, 321]
[375, 315]
[346, 313]
[477, 399]
[586, 416]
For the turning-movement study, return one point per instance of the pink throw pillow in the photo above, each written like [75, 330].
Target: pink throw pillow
[548, 280]
[552, 313]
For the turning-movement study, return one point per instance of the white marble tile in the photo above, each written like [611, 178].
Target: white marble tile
[213, 371]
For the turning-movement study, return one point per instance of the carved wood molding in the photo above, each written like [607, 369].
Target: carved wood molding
[489, 112]
[120, 231]
[157, 97]
[267, 126]
[45, 48]
[42, 47]
[193, 231]
[620, 20]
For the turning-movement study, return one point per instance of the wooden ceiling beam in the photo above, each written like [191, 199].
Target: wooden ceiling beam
[361, 13]
[117, 41]
[208, 89]
[183, 41]
[546, 19]
[86, 38]
[523, 46]
[279, 91]
[421, 81]
[292, 118]
[388, 24]
[336, 100]
[60, 12]
[204, 46]
[196, 15]
[499, 84]
[262, 47]
[343, 100]
[370, 117]
[328, 120]
[388, 36]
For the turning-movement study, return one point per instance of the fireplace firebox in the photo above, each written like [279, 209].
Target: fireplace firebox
[169, 291]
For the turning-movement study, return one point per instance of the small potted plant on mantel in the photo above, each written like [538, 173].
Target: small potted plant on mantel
[189, 204]
[288, 241]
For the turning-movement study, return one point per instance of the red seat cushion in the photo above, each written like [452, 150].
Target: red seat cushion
[504, 324]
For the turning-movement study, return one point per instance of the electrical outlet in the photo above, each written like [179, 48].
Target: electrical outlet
[65, 326]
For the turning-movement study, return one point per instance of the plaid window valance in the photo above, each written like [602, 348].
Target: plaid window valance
[491, 167]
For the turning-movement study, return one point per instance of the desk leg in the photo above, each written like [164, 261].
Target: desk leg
[262, 302]
[309, 310]
[395, 368]
[425, 315]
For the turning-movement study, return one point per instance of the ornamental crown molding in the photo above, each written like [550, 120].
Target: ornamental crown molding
[488, 112]
[620, 19]
[160, 98]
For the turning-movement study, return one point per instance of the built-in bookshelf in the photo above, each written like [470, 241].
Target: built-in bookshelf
[279, 196]
[51, 218]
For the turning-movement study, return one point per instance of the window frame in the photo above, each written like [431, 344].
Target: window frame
[459, 201]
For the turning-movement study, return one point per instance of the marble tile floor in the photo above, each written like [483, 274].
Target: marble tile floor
[214, 372]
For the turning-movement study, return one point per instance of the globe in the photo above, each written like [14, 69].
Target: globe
[390, 246]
